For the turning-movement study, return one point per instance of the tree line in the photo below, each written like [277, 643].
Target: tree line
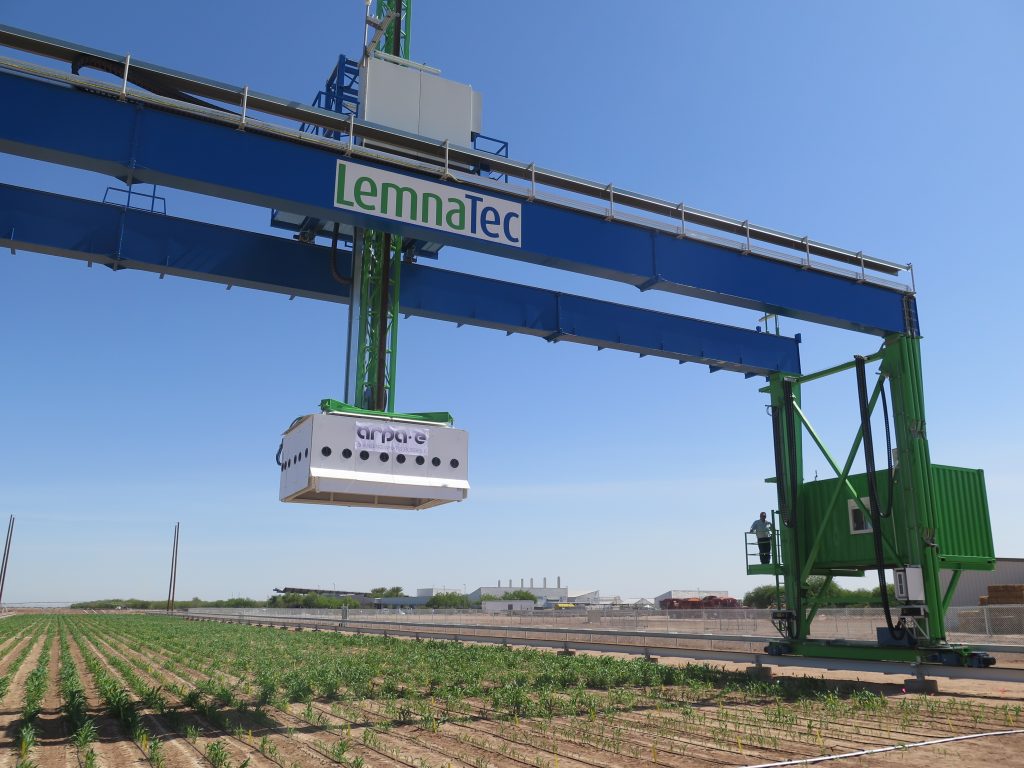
[833, 595]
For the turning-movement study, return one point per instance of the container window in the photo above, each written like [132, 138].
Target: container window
[860, 521]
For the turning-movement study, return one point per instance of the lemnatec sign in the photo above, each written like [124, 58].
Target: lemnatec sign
[427, 204]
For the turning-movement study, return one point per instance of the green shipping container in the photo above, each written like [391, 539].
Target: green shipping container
[964, 530]
[963, 535]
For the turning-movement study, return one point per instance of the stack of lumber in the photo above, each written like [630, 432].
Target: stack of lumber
[1005, 594]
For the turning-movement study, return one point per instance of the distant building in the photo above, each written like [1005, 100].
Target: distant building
[974, 584]
[556, 594]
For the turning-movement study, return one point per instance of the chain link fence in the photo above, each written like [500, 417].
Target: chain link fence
[992, 623]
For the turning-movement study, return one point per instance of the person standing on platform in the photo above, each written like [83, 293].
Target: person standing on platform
[763, 529]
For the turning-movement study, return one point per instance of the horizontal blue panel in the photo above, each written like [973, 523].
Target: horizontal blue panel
[146, 144]
[133, 239]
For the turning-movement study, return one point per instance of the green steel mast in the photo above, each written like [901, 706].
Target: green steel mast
[376, 268]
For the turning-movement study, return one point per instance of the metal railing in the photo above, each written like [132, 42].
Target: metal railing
[734, 648]
[753, 549]
[672, 216]
[1003, 625]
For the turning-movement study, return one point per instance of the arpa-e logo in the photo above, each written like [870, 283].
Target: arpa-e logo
[391, 438]
[427, 204]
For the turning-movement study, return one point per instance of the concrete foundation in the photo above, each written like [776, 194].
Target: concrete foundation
[921, 685]
[759, 673]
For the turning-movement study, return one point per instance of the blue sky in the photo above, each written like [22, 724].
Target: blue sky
[129, 403]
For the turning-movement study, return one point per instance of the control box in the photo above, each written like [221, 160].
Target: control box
[402, 95]
[909, 584]
[361, 460]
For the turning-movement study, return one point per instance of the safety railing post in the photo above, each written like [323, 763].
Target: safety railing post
[245, 107]
[124, 80]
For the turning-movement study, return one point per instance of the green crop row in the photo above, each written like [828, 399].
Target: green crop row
[535, 698]
[121, 705]
[75, 705]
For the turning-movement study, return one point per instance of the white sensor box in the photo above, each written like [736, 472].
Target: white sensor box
[357, 460]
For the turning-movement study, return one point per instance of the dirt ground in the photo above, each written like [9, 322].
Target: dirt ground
[299, 735]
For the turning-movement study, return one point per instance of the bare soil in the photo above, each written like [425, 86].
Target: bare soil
[651, 732]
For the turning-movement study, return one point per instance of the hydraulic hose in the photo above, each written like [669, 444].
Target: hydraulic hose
[897, 631]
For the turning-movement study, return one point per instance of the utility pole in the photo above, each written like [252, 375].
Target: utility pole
[377, 258]
[174, 576]
[171, 586]
[7, 554]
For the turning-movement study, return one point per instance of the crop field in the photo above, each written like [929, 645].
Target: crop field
[89, 690]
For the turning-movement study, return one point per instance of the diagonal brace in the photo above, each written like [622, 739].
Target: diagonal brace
[841, 474]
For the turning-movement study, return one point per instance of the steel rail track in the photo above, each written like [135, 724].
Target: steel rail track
[602, 641]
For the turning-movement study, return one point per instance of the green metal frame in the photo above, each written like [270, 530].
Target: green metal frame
[373, 353]
[433, 417]
[377, 345]
[900, 364]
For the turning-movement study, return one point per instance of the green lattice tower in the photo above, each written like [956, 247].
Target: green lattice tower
[377, 260]
[914, 539]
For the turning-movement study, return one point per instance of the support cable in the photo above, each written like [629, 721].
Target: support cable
[334, 260]
[898, 631]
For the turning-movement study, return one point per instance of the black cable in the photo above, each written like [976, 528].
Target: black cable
[897, 631]
[794, 487]
[334, 258]
[888, 453]
[780, 489]
[147, 81]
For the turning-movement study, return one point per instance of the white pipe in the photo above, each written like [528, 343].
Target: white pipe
[879, 750]
[406, 62]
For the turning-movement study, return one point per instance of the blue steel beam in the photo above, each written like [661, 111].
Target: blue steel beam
[125, 238]
[136, 142]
